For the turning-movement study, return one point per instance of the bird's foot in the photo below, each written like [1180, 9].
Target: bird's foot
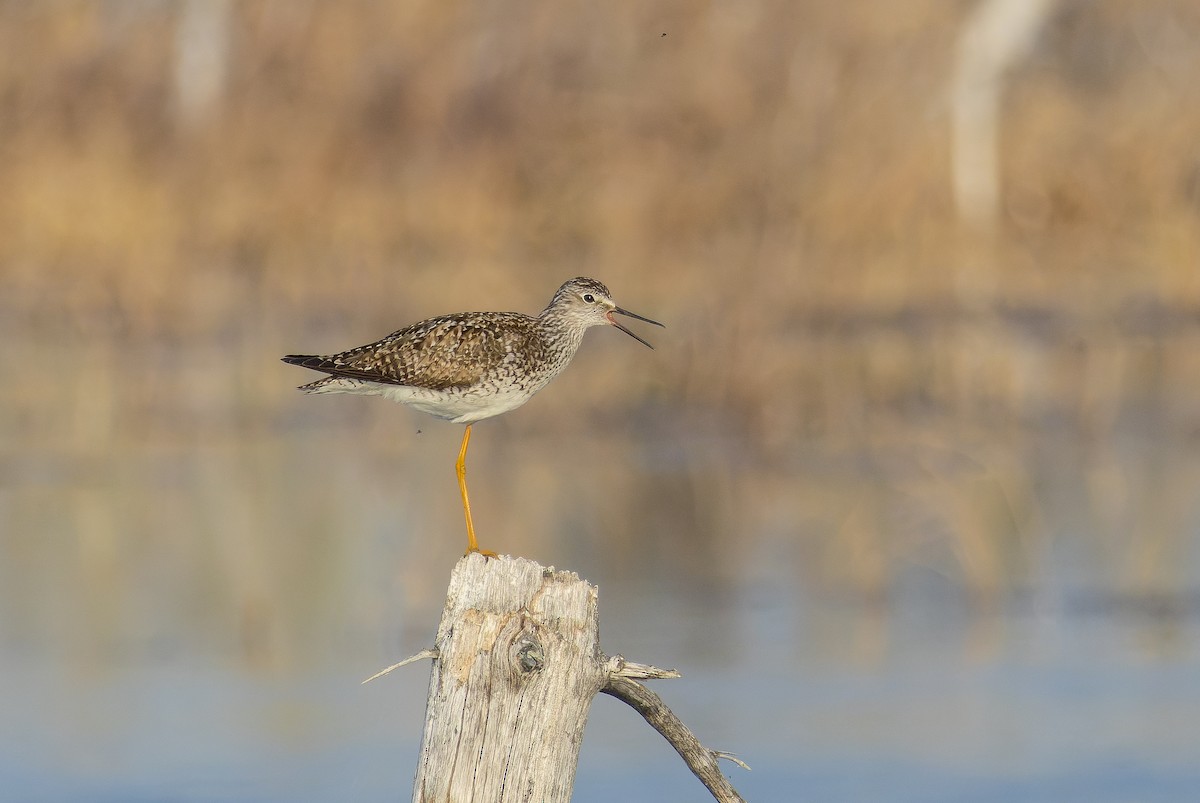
[487, 553]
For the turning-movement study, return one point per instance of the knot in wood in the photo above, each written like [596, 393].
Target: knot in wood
[530, 657]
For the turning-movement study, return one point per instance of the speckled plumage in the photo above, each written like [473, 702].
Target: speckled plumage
[472, 365]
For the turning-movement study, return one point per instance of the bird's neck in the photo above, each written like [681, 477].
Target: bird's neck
[562, 336]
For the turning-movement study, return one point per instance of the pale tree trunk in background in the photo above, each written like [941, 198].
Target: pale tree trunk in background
[202, 50]
[995, 36]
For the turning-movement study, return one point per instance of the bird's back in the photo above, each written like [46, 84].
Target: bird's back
[447, 353]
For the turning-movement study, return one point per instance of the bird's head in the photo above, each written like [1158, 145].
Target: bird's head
[589, 303]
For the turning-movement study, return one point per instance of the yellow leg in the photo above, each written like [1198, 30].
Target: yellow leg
[460, 468]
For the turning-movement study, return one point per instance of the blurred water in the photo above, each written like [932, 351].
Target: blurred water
[1036, 704]
[192, 587]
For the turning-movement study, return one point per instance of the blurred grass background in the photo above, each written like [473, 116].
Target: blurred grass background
[851, 372]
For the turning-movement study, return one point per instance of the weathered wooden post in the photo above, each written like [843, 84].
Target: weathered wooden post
[516, 664]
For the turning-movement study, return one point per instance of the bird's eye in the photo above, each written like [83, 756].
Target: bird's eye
[589, 298]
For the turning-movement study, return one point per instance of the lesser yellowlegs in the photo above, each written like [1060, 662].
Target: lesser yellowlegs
[474, 365]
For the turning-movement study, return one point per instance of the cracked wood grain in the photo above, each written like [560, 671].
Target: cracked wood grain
[516, 665]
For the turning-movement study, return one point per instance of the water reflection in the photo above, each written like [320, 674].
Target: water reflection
[199, 565]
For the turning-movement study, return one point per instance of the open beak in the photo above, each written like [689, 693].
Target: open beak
[629, 314]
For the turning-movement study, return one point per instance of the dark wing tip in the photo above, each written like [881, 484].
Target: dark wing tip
[314, 361]
[327, 365]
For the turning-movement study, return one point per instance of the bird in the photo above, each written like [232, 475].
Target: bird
[470, 366]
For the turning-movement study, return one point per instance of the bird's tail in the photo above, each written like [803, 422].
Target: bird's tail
[328, 384]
